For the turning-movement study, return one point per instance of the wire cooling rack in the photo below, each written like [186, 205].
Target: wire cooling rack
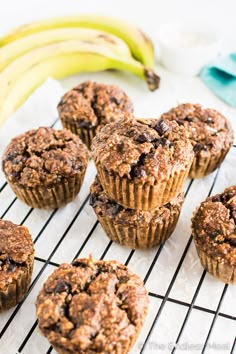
[189, 310]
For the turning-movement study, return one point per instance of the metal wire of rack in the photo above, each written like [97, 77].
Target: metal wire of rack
[179, 321]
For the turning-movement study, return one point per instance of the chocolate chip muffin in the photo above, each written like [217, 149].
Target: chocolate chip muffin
[92, 307]
[132, 227]
[89, 106]
[214, 233]
[45, 167]
[142, 164]
[210, 134]
[16, 263]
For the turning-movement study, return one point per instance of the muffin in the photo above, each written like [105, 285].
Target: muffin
[132, 227]
[45, 167]
[89, 106]
[214, 233]
[16, 263]
[210, 134]
[92, 307]
[142, 164]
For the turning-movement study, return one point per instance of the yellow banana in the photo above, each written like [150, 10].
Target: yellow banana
[58, 60]
[40, 39]
[140, 45]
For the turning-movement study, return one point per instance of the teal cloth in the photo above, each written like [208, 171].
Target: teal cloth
[220, 78]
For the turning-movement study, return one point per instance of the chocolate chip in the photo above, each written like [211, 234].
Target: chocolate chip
[180, 122]
[61, 287]
[189, 119]
[120, 147]
[137, 171]
[131, 133]
[216, 198]
[115, 100]
[85, 125]
[123, 279]
[113, 209]
[232, 242]
[214, 233]
[79, 264]
[65, 310]
[143, 138]
[199, 147]
[11, 267]
[224, 198]
[232, 239]
[163, 142]
[161, 127]
[141, 160]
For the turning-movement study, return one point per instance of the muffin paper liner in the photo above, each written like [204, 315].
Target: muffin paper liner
[150, 235]
[43, 197]
[141, 195]
[202, 166]
[86, 135]
[15, 291]
[220, 270]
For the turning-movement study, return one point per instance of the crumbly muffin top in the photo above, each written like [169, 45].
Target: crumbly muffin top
[214, 226]
[44, 156]
[208, 129]
[16, 246]
[91, 306]
[91, 104]
[142, 149]
[106, 207]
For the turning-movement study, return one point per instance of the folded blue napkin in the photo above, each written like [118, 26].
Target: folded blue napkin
[220, 78]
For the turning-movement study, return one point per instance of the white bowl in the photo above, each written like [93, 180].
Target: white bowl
[185, 50]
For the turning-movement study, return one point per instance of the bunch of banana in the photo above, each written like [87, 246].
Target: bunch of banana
[64, 46]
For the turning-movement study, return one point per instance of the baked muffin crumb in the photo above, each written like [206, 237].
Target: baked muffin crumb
[45, 167]
[92, 307]
[214, 232]
[16, 263]
[210, 133]
[91, 105]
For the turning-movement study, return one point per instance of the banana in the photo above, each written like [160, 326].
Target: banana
[140, 45]
[58, 60]
[40, 39]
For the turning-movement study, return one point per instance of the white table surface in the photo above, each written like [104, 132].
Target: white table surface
[174, 89]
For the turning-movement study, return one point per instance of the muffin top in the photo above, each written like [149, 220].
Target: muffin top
[208, 129]
[92, 104]
[16, 246]
[214, 226]
[91, 306]
[104, 206]
[142, 149]
[44, 156]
